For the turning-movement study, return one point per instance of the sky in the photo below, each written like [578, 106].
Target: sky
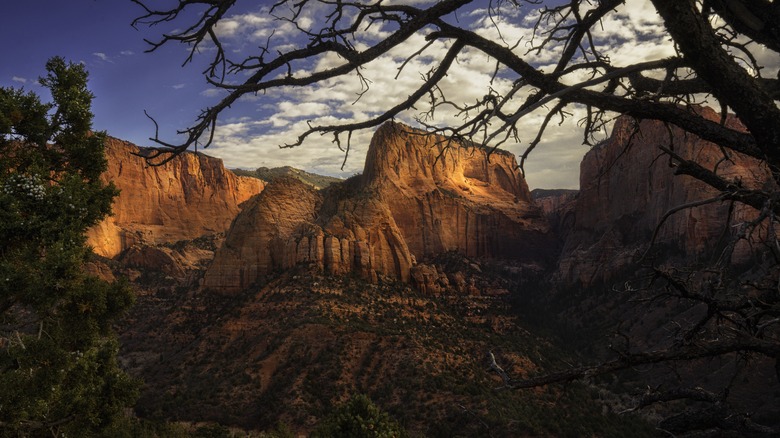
[126, 81]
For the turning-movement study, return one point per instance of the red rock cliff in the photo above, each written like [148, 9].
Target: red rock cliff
[419, 196]
[447, 196]
[627, 185]
[188, 197]
[292, 223]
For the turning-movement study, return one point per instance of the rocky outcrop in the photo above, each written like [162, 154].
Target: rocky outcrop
[627, 186]
[181, 263]
[188, 197]
[456, 274]
[419, 196]
[554, 201]
[558, 206]
[282, 211]
[291, 223]
[448, 196]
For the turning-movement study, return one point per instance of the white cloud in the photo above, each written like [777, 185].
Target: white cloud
[769, 60]
[127, 53]
[302, 109]
[240, 148]
[634, 33]
[178, 86]
[19, 79]
[212, 92]
[408, 2]
[243, 25]
[227, 28]
[102, 56]
[305, 23]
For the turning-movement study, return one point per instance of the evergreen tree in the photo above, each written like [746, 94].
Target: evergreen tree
[58, 367]
[359, 418]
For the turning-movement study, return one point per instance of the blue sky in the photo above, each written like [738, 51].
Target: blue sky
[126, 81]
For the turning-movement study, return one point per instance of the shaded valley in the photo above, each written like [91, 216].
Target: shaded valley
[401, 282]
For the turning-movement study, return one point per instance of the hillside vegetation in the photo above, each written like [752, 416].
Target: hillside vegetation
[294, 347]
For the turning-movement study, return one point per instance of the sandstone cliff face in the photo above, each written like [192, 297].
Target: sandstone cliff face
[418, 197]
[286, 208]
[554, 201]
[188, 197]
[627, 185]
[291, 223]
[558, 206]
[446, 196]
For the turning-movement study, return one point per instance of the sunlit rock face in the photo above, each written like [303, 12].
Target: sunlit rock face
[419, 195]
[292, 223]
[447, 196]
[190, 196]
[627, 185]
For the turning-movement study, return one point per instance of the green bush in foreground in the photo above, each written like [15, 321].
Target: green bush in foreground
[359, 418]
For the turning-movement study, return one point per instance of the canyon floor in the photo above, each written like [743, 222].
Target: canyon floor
[291, 348]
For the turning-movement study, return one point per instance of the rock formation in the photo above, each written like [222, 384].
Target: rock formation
[423, 195]
[558, 206]
[173, 263]
[627, 185]
[447, 196]
[188, 197]
[292, 223]
[553, 201]
[419, 196]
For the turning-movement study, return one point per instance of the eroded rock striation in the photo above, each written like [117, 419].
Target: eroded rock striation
[292, 223]
[447, 196]
[190, 196]
[627, 185]
[420, 195]
[559, 207]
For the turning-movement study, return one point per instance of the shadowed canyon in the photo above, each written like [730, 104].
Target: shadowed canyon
[268, 302]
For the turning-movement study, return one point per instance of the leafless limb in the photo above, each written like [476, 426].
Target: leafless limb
[495, 367]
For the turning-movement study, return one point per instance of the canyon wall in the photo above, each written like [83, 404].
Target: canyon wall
[627, 185]
[190, 196]
[423, 195]
[450, 196]
[554, 201]
[292, 223]
[419, 196]
[559, 207]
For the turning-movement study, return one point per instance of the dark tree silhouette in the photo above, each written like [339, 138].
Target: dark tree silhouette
[717, 43]
[59, 373]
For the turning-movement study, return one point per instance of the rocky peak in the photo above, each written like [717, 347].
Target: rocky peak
[627, 185]
[415, 162]
[447, 195]
[272, 231]
[419, 196]
[190, 196]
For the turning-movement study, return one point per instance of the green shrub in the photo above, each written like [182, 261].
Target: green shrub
[359, 418]
[212, 431]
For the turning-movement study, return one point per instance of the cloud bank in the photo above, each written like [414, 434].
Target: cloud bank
[251, 138]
